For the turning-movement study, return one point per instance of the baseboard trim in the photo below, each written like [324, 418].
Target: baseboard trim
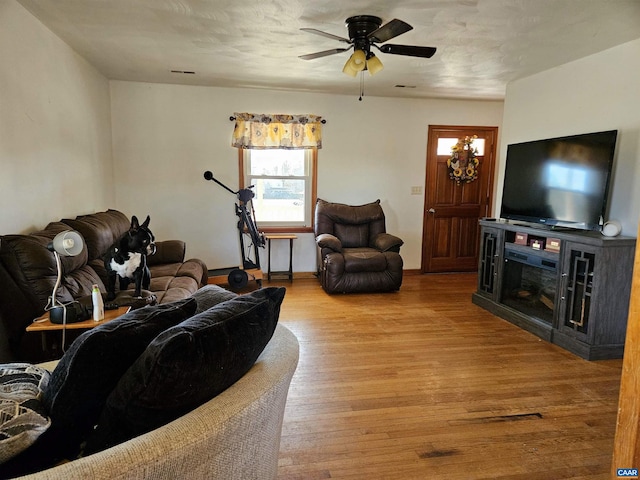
[307, 275]
[412, 271]
[301, 275]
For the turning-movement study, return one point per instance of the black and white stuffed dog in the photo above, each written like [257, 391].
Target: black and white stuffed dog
[127, 259]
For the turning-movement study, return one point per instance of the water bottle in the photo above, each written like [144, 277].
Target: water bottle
[98, 305]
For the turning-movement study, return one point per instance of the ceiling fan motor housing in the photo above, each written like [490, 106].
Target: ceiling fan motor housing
[360, 27]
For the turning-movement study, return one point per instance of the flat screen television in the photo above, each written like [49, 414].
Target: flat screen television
[559, 182]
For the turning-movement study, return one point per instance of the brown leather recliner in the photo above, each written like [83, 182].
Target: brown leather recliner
[357, 254]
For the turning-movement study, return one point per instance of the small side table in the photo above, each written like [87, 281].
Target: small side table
[43, 324]
[289, 272]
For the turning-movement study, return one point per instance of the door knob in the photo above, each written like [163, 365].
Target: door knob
[431, 210]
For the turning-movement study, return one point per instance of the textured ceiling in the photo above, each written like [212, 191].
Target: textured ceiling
[482, 44]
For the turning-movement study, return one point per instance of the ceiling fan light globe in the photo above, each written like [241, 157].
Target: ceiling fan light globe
[355, 64]
[358, 60]
[374, 65]
[349, 70]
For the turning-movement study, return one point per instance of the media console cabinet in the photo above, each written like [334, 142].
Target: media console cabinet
[568, 287]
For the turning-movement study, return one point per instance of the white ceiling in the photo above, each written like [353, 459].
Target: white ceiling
[482, 44]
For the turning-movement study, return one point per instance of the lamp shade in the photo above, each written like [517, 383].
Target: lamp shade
[374, 65]
[68, 243]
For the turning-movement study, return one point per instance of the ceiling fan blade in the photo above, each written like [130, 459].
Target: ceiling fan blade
[325, 34]
[324, 53]
[389, 30]
[409, 50]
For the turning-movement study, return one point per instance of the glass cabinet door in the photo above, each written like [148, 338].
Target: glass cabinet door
[490, 248]
[577, 275]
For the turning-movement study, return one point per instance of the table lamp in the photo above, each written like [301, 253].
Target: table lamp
[68, 243]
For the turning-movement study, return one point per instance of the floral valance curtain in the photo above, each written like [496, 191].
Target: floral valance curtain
[262, 130]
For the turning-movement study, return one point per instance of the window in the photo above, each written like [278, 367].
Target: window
[284, 183]
[445, 145]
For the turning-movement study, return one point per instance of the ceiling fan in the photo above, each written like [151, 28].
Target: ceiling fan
[365, 31]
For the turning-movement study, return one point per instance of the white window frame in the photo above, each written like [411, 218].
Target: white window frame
[310, 195]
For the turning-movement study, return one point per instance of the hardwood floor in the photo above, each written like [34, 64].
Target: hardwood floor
[422, 384]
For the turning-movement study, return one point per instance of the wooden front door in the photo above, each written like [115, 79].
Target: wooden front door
[451, 212]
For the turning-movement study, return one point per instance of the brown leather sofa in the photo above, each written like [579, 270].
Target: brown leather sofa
[28, 274]
[357, 254]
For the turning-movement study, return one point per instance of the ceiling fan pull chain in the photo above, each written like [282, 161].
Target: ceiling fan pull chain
[361, 85]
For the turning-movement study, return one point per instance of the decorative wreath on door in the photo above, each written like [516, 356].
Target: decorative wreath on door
[463, 163]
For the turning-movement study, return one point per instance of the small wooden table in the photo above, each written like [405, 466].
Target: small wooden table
[289, 272]
[43, 324]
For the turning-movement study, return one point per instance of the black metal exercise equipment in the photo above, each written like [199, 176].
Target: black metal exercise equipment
[239, 277]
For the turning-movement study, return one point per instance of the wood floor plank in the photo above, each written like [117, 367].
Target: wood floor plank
[422, 384]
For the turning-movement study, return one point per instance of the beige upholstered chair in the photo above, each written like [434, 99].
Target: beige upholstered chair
[235, 436]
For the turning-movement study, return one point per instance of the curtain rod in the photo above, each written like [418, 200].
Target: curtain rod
[232, 118]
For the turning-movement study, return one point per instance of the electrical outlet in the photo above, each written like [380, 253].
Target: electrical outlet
[416, 190]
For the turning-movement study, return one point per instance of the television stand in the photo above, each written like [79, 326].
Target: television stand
[568, 287]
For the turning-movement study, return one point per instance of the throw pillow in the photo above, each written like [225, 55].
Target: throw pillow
[22, 417]
[210, 296]
[187, 365]
[91, 368]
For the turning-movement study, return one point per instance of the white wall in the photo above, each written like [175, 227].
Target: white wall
[64, 152]
[55, 127]
[596, 93]
[56, 139]
[166, 136]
